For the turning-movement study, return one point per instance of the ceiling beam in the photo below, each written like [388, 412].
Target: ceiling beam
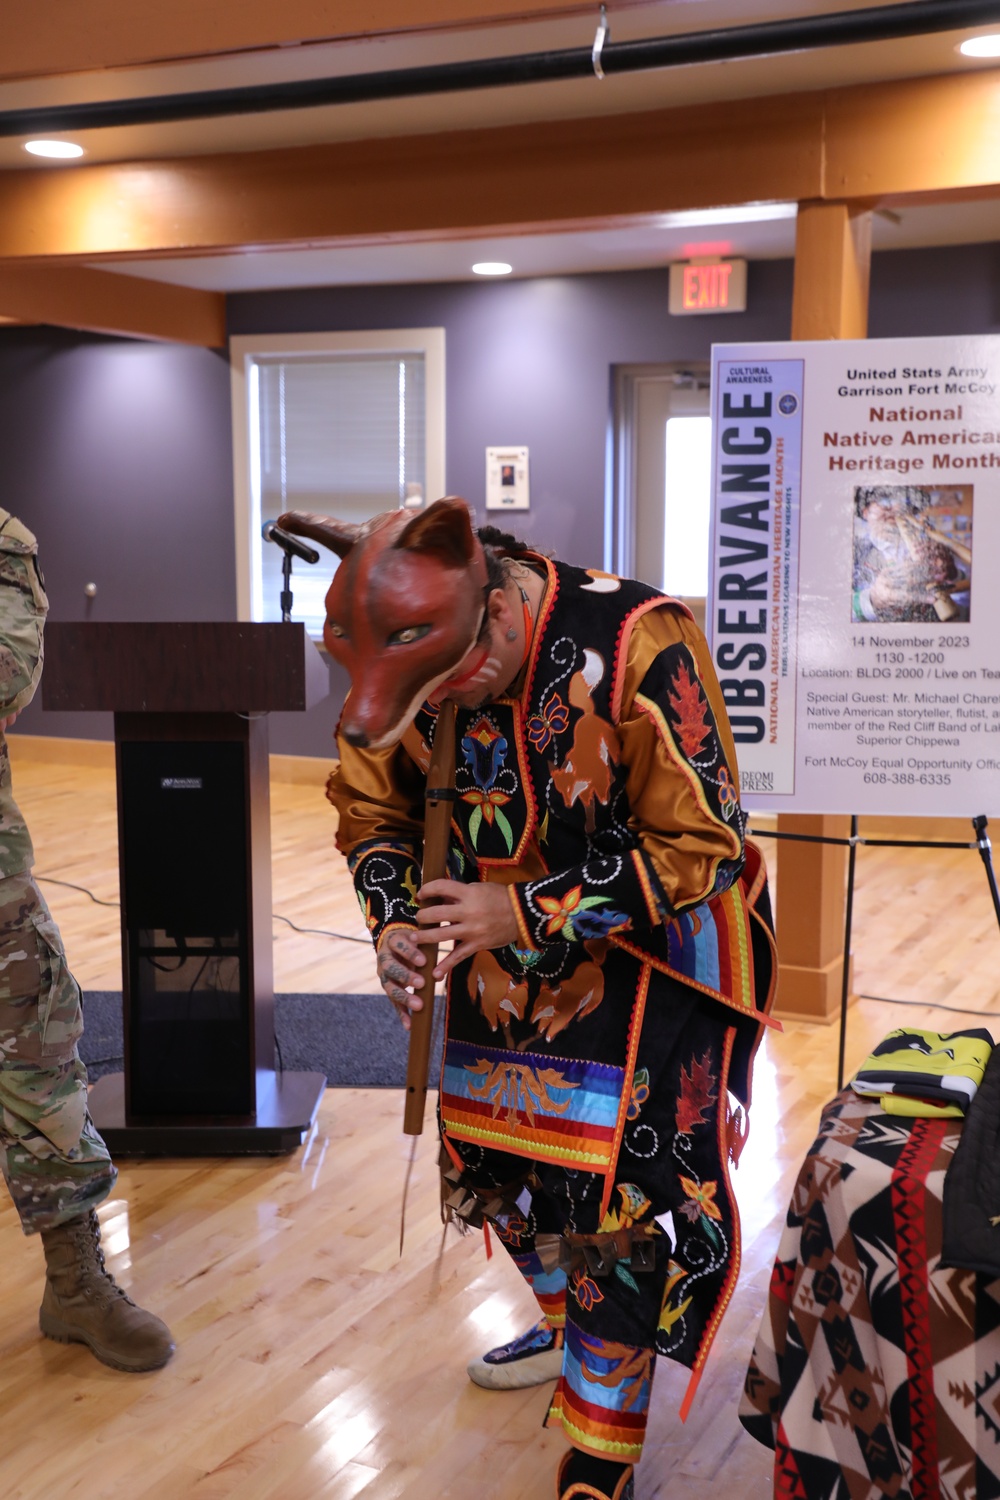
[917, 135]
[50, 36]
[563, 170]
[77, 297]
[936, 135]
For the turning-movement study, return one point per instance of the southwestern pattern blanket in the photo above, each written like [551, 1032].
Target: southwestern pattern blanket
[876, 1373]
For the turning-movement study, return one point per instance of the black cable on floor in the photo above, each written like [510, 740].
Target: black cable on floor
[343, 937]
[51, 880]
[320, 931]
[956, 1010]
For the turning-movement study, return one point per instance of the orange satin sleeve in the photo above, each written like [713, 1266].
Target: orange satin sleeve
[378, 794]
[674, 826]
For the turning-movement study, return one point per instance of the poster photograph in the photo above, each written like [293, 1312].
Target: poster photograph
[854, 591]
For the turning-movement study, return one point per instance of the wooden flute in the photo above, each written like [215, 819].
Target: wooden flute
[438, 799]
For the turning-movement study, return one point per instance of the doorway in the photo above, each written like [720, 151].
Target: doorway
[659, 516]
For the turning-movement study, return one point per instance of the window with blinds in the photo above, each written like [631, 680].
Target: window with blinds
[344, 431]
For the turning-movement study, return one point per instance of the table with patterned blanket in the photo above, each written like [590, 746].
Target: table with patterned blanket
[875, 1372]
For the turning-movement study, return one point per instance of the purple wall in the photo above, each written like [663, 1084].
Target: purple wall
[115, 453]
[118, 454]
[953, 289]
[529, 363]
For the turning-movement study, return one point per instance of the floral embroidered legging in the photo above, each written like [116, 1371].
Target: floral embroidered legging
[669, 1174]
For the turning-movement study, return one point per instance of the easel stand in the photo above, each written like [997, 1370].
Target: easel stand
[982, 843]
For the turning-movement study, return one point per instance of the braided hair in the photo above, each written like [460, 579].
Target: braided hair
[500, 549]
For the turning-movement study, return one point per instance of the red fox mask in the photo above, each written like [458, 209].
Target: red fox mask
[403, 612]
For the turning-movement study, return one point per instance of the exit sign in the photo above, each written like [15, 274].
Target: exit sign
[708, 286]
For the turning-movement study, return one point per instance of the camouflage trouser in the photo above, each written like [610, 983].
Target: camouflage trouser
[53, 1159]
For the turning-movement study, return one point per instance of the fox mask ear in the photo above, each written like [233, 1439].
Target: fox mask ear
[444, 528]
[339, 536]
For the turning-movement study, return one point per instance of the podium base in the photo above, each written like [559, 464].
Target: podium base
[286, 1108]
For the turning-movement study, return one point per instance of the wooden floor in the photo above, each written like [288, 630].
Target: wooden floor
[315, 1362]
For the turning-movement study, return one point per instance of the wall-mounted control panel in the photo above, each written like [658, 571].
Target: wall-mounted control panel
[506, 479]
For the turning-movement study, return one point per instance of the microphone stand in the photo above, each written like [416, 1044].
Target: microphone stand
[290, 546]
[286, 592]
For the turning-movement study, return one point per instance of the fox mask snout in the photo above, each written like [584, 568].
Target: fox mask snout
[404, 609]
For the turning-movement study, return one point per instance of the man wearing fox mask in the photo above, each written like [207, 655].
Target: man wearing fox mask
[612, 956]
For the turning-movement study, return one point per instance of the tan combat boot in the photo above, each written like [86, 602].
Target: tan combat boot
[83, 1304]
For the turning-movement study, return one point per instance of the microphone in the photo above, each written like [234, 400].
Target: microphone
[272, 532]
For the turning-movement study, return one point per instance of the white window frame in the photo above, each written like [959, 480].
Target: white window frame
[245, 348]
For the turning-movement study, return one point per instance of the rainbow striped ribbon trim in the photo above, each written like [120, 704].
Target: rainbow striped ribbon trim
[555, 1109]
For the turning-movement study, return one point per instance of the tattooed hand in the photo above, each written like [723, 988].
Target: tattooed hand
[399, 962]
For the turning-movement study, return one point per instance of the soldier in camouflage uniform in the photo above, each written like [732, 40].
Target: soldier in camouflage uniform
[54, 1161]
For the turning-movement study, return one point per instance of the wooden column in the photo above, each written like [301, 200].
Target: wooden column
[833, 247]
[829, 301]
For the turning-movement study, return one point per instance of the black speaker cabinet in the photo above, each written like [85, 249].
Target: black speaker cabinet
[188, 927]
[194, 842]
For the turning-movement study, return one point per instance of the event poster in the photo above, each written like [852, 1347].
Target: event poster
[854, 591]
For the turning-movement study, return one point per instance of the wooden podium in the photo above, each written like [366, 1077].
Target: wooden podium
[191, 748]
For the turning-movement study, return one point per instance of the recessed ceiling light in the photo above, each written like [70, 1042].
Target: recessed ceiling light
[980, 46]
[492, 268]
[61, 150]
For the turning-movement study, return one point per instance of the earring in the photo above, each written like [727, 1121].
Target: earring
[512, 634]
